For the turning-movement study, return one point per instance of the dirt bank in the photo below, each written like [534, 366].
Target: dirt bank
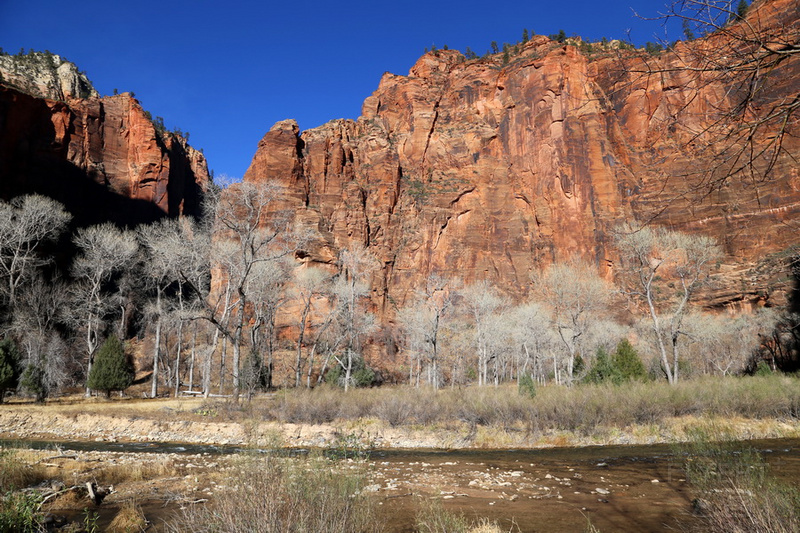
[200, 422]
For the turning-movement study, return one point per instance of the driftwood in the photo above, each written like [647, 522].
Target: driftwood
[90, 490]
[60, 456]
[98, 494]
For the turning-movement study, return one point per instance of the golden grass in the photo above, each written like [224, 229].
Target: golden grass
[468, 416]
[19, 469]
[272, 494]
[129, 519]
[158, 467]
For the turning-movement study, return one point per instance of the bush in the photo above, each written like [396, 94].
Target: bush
[602, 369]
[19, 512]
[526, 386]
[287, 495]
[32, 381]
[361, 375]
[735, 490]
[112, 369]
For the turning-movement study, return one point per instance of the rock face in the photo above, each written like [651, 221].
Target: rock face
[45, 75]
[102, 157]
[483, 170]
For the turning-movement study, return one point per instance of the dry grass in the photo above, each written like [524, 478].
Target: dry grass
[271, 494]
[583, 410]
[18, 469]
[114, 474]
[736, 492]
[433, 518]
[129, 519]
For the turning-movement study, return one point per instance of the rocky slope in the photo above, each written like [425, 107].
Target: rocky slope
[484, 170]
[102, 157]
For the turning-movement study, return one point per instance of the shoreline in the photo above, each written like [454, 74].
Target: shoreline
[176, 421]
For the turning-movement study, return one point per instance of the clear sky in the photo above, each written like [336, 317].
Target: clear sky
[225, 71]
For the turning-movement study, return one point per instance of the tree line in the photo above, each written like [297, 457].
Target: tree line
[214, 306]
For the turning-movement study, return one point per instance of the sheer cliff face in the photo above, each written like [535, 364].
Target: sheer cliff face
[481, 170]
[101, 157]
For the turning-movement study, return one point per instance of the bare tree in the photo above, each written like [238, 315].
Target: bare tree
[309, 285]
[25, 224]
[36, 323]
[350, 290]
[577, 296]
[423, 319]
[726, 344]
[662, 269]
[266, 287]
[104, 251]
[483, 303]
[166, 260]
[248, 231]
[535, 339]
[737, 76]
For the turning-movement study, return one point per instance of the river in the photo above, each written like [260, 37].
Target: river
[617, 488]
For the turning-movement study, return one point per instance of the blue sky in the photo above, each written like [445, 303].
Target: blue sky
[226, 71]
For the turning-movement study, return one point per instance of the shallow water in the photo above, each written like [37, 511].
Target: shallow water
[617, 488]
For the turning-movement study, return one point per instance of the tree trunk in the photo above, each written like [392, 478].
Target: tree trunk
[208, 364]
[192, 356]
[178, 359]
[157, 342]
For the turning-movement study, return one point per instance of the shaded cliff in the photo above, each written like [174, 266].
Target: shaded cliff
[102, 157]
[485, 170]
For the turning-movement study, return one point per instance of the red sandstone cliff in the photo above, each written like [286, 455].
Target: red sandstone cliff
[482, 170]
[102, 157]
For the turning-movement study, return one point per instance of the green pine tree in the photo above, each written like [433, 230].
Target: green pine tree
[626, 363]
[32, 381]
[525, 35]
[602, 369]
[9, 367]
[112, 369]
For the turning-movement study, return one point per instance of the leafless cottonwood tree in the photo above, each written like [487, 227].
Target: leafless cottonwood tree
[25, 224]
[351, 288]
[484, 303]
[309, 285]
[423, 319]
[168, 260]
[248, 231]
[267, 287]
[104, 251]
[36, 321]
[534, 338]
[662, 269]
[576, 295]
[740, 74]
[726, 343]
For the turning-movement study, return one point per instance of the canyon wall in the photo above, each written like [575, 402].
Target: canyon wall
[481, 169]
[102, 157]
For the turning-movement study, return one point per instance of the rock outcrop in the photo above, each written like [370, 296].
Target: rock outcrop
[479, 169]
[45, 75]
[102, 157]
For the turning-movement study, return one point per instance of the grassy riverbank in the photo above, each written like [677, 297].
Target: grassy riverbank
[405, 417]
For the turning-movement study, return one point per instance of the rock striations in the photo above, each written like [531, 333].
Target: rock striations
[482, 169]
[102, 157]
